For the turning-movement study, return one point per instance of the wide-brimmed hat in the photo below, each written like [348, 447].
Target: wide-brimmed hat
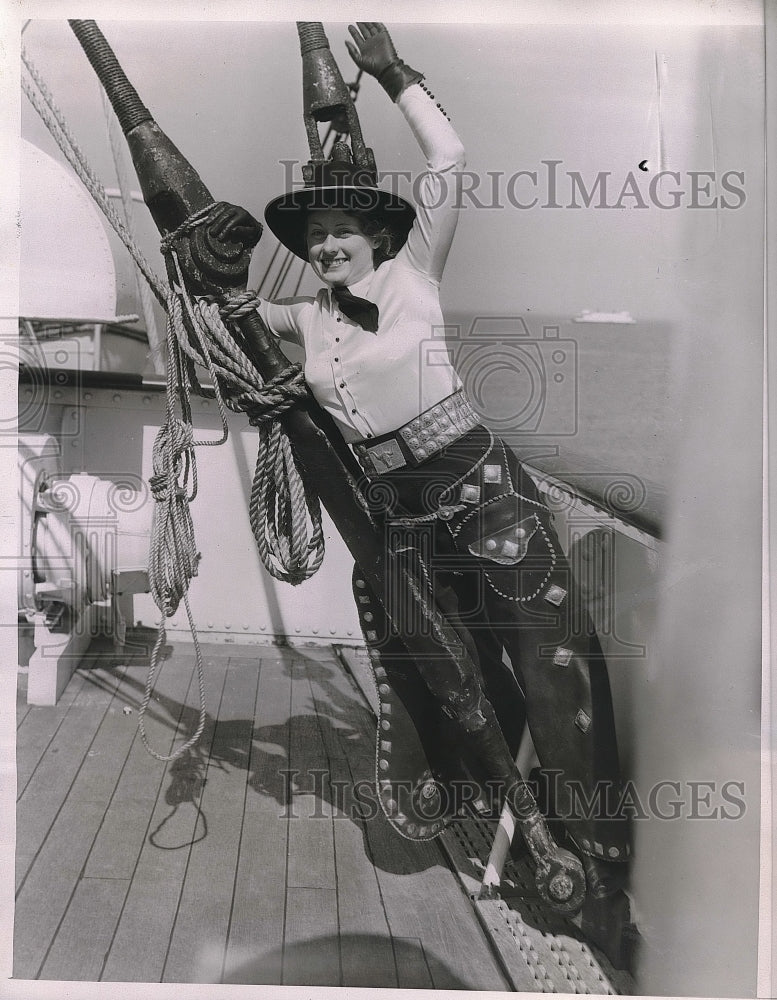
[337, 184]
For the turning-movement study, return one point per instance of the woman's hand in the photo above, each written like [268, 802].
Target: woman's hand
[233, 224]
[371, 49]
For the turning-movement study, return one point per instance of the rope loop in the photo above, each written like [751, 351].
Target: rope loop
[187, 226]
[276, 397]
[285, 516]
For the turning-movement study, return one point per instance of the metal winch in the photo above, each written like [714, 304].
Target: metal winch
[84, 545]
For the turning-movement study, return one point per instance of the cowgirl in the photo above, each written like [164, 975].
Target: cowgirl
[498, 570]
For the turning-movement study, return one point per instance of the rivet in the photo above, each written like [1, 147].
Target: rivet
[246, 625]
[297, 629]
[614, 852]
[227, 625]
[116, 397]
[384, 689]
[391, 805]
[383, 764]
[368, 616]
[205, 404]
[262, 627]
[315, 631]
[385, 724]
[87, 395]
[57, 394]
[146, 400]
[360, 583]
[210, 624]
[491, 545]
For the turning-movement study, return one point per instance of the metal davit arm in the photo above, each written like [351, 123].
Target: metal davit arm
[174, 191]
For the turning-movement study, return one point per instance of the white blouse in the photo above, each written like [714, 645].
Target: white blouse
[374, 383]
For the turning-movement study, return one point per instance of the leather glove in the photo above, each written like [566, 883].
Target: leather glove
[233, 224]
[373, 52]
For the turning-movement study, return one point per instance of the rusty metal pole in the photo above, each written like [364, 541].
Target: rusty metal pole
[326, 98]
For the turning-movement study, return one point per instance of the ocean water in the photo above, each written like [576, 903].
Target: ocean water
[588, 402]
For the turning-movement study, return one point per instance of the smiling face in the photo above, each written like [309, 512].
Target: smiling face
[339, 251]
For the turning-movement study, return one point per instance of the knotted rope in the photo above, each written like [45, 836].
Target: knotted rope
[285, 518]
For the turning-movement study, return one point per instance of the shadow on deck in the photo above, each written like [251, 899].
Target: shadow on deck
[260, 856]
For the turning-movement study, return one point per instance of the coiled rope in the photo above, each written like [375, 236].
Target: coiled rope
[285, 517]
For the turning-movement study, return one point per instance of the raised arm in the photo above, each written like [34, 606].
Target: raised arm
[437, 201]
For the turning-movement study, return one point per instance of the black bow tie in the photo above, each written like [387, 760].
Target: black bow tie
[361, 311]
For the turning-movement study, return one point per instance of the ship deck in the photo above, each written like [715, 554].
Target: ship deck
[258, 856]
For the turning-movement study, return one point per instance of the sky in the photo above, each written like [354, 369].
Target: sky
[596, 96]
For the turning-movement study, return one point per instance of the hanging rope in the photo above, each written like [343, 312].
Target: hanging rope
[280, 507]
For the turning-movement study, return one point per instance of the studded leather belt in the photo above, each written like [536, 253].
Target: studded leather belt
[421, 438]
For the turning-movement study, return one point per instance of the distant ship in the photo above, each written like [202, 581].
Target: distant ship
[593, 316]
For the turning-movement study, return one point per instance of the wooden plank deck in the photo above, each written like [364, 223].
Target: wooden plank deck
[249, 859]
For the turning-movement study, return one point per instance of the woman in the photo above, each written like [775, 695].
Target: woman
[497, 567]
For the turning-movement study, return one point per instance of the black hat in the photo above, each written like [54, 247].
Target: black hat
[336, 184]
